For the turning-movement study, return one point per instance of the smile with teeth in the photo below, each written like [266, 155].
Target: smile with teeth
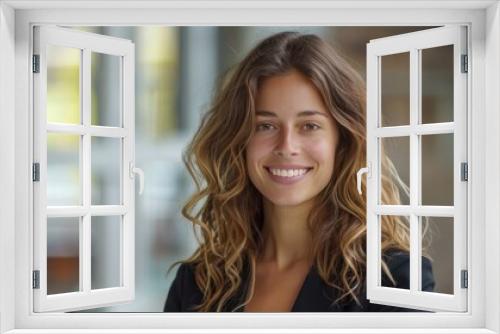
[288, 172]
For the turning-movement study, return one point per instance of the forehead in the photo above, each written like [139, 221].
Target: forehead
[291, 92]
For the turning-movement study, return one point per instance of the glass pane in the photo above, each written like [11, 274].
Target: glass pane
[63, 249]
[395, 171]
[106, 170]
[437, 247]
[395, 89]
[106, 255]
[106, 90]
[395, 241]
[63, 169]
[63, 84]
[437, 84]
[437, 169]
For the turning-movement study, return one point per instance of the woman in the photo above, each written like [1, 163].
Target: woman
[275, 161]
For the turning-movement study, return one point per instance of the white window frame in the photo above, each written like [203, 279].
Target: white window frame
[16, 19]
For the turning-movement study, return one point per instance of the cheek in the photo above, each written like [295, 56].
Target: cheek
[255, 151]
[323, 152]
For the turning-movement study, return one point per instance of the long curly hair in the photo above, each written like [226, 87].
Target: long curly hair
[226, 209]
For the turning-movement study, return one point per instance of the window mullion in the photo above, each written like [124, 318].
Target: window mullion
[93, 130]
[414, 168]
[420, 129]
[85, 235]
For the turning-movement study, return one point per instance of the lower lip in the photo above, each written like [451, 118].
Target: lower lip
[285, 179]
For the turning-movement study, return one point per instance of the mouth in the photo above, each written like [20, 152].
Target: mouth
[287, 176]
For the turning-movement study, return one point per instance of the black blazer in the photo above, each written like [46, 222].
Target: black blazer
[314, 295]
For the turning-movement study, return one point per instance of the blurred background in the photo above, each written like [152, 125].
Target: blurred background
[176, 73]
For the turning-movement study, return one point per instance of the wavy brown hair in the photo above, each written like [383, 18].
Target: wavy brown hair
[227, 211]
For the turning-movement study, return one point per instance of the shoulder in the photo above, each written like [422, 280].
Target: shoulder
[398, 263]
[183, 293]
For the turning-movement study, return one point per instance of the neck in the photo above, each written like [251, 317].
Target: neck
[287, 238]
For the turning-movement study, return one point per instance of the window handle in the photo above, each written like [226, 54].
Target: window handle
[364, 170]
[136, 170]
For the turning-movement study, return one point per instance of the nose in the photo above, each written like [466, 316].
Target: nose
[286, 145]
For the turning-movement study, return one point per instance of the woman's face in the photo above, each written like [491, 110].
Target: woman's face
[290, 156]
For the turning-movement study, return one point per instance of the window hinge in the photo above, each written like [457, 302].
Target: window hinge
[36, 279]
[465, 65]
[36, 63]
[464, 174]
[36, 171]
[465, 279]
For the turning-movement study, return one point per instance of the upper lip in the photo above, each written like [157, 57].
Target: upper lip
[288, 167]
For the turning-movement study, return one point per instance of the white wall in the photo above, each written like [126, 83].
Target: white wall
[7, 149]
[492, 149]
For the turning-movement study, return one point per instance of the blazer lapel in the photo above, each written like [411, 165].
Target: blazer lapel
[315, 295]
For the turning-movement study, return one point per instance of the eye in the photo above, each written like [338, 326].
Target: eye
[311, 126]
[264, 126]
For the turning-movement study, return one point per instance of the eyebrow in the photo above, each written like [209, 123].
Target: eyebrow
[300, 114]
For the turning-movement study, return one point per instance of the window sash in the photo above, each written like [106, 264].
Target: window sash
[413, 43]
[86, 297]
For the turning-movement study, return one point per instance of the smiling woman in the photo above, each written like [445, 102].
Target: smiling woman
[283, 227]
